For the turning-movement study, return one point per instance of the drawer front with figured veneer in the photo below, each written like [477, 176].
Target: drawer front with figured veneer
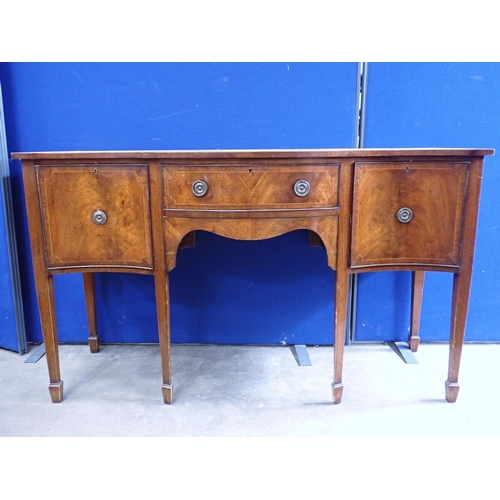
[270, 187]
[96, 215]
[408, 213]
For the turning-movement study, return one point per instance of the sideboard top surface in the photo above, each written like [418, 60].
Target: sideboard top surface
[250, 153]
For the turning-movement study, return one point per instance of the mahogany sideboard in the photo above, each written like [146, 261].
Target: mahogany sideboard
[371, 210]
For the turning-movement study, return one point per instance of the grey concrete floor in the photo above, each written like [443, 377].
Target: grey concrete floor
[250, 391]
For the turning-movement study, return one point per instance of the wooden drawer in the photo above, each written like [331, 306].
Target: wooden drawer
[71, 195]
[247, 187]
[429, 198]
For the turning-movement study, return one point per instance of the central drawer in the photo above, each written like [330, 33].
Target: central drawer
[225, 187]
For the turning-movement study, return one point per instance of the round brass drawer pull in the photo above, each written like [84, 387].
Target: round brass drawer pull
[405, 215]
[99, 217]
[199, 188]
[302, 188]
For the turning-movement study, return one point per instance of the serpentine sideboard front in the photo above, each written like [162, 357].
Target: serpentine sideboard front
[372, 210]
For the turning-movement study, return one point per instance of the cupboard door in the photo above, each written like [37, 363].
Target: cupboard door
[96, 215]
[408, 213]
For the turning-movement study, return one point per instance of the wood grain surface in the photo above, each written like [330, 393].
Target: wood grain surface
[69, 195]
[250, 187]
[435, 193]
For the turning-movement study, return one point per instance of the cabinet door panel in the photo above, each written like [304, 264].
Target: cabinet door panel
[118, 195]
[430, 199]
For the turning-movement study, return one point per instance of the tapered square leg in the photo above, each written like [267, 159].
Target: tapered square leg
[94, 344]
[168, 393]
[462, 283]
[451, 389]
[163, 312]
[337, 390]
[89, 290]
[44, 282]
[417, 289]
[56, 391]
[459, 305]
[342, 287]
[161, 281]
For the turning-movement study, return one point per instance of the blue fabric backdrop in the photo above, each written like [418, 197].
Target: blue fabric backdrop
[436, 105]
[278, 290]
[8, 336]
[275, 291]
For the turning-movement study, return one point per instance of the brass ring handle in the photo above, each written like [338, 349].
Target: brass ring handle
[302, 188]
[199, 188]
[405, 215]
[99, 217]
